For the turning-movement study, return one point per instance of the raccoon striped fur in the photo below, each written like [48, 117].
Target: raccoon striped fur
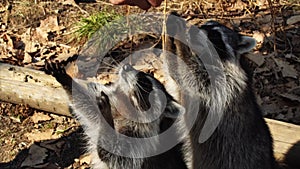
[229, 131]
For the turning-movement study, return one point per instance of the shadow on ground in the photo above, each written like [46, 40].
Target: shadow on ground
[61, 153]
[50, 154]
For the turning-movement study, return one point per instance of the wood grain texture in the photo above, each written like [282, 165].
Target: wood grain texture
[286, 138]
[21, 85]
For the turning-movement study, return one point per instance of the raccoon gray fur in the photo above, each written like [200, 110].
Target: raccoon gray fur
[137, 86]
[242, 139]
[98, 105]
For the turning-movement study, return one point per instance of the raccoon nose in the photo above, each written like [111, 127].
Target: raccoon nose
[127, 67]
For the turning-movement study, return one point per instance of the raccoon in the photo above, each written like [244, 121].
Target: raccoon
[138, 87]
[100, 108]
[241, 138]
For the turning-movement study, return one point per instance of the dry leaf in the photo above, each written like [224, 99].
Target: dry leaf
[40, 117]
[290, 55]
[257, 58]
[9, 42]
[57, 119]
[294, 19]
[85, 159]
[261, 2]
[50, 24]
[39, 136]
[264, 19]
[66, 53]
[42, 34]
[291, 97]
[28, 36]
[32, 47]
[295, 90]
[16, 119]
[270, 108]
[293, 94]
[27, 58]
[68, 2]
[286, 69]
[280, 117]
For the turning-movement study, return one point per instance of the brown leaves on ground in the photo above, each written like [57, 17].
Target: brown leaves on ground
[31, 44]
[33, 139]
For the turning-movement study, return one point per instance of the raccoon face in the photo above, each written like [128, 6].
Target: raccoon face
[137, 85]
[228, 43]
[146, 92]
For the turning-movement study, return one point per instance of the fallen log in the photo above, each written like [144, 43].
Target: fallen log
[21, 85]
[286, 138]
[41, 91]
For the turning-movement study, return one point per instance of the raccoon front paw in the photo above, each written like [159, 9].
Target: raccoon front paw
[54, 68]
[57, 70]
[105, 108]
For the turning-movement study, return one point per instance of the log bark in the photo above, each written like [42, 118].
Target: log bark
[42, 91]
[21, 85]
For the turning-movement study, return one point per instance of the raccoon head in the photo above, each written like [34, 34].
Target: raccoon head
[228, 43]
[145, 92]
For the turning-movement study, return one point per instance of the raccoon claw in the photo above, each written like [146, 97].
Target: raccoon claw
[58, 71]
[54, 68]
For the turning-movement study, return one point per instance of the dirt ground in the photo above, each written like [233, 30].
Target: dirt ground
[32, 31]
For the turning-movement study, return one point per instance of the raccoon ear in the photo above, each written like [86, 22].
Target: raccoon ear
[174, 110]
[246, 44]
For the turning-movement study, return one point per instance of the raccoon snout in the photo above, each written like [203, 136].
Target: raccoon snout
[127, 67]
[125, 72]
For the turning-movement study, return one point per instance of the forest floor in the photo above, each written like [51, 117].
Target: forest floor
[32, 31]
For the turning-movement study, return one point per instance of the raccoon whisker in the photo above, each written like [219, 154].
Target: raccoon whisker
[115, 61]
[107, 69]
[109, 73]
[110, 65]
[138, 84]
[141, 96]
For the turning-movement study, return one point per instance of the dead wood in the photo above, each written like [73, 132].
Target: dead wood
[21, 85]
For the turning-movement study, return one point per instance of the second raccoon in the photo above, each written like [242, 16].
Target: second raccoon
[241, 139]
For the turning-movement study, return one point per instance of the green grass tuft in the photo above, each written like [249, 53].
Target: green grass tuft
[86, 27]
